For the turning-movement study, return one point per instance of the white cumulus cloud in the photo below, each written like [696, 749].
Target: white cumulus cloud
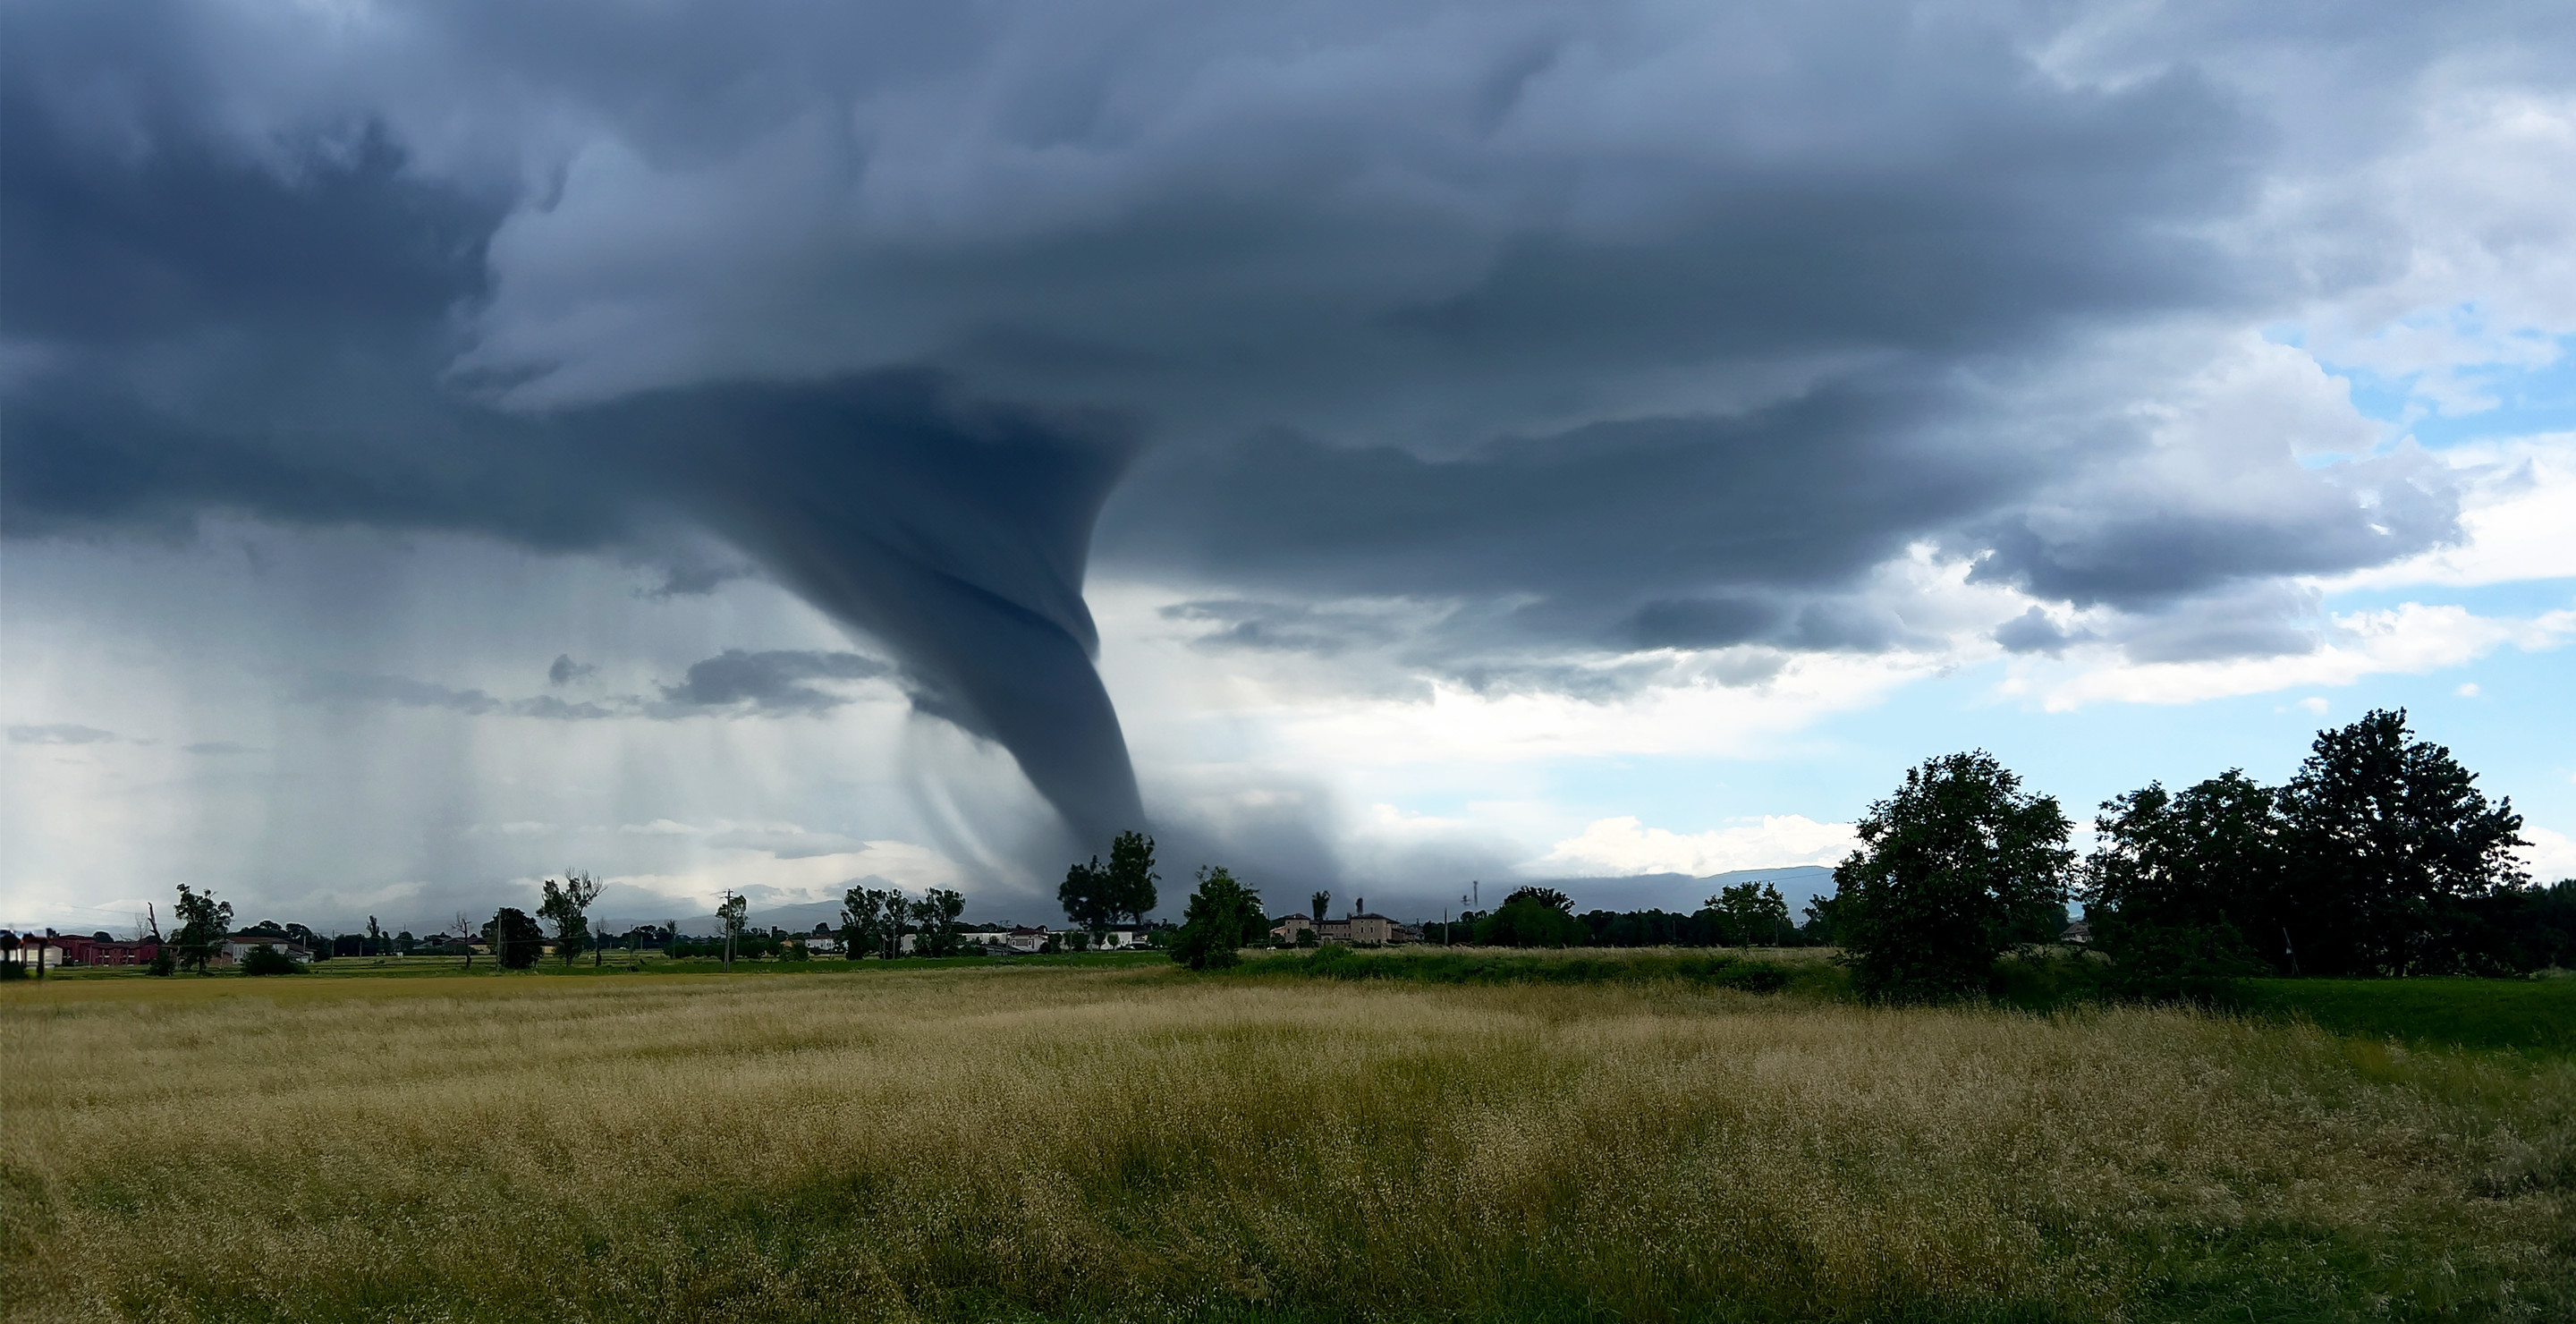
[2550, 856]
[1620, 846]
[2411, 638]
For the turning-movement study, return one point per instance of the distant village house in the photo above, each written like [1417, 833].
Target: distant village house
[1361, 928]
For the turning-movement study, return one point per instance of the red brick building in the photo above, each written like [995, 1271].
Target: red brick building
[77, 950]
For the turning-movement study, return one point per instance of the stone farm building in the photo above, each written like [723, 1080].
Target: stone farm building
[1360, 928]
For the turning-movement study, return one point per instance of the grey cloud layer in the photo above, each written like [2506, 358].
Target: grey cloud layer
[1628, 327]
[774, 681]
[59, 733]
[769, 683]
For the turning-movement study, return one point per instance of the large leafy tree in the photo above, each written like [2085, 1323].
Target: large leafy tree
[2209, 854]
[873, 921]
[202, 923]
[1533, 917]
[1132, 877]
[2390, 840]
[1751, 912]
[1089, 896]
[1951, 869]
[2185, 887]
[516, 940]
[567, 907]
[1222, 915]
[934, 920]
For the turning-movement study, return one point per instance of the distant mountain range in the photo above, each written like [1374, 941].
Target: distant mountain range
[1679, 892]
[1651, 891]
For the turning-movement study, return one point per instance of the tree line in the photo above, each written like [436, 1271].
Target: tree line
[2379, 857]
[1747, 914]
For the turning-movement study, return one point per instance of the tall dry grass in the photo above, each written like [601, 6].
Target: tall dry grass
[1071, 1143]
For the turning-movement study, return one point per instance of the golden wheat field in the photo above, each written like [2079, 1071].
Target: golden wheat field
[1140, 1142]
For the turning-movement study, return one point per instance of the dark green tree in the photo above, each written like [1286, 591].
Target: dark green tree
[1818, 929]
[2177, 880]
[1320, 902]
[567, 907]
[873, 921]
[2390, 840]
[202, 923]
[1750, 913]
[1132, 877]
[1533, 917]
[1948, 866]
[934, 920]
[516, 940]
[1090, 897]
[733, 914]
[1222, 916]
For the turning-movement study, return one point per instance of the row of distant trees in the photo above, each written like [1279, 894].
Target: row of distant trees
[2380, 857]
[1224, 914]
[203, 924]
[875, 921]
[1747, 914]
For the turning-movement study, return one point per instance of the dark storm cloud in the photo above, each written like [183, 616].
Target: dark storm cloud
[1627, 534]
[1702, 622]
[691, 579]
[1277, 627]
[1627, 329]
[2118, 554]
[1672, 503]
[2265, 622]
[775, 681]
[403, 692]
[2033, 632]
[565, 671]
[62, 733]
[734, 683]
[954, 530]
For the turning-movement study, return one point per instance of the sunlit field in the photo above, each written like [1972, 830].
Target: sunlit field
[1074, 1141]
